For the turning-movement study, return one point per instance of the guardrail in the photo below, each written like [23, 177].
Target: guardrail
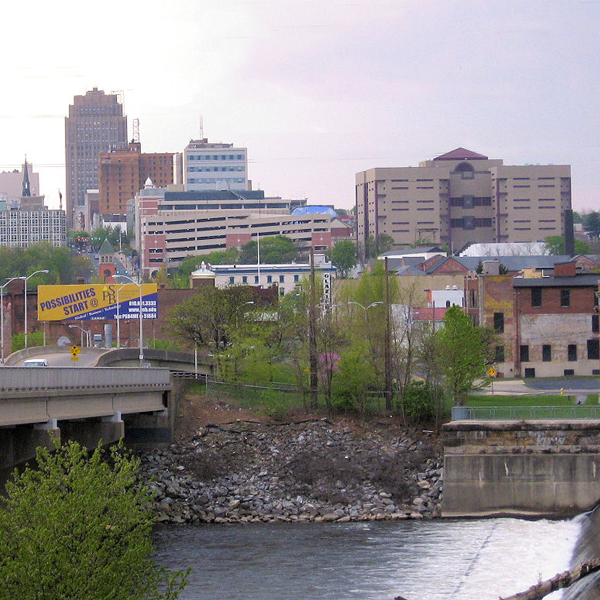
[522, 413]
[21, 379]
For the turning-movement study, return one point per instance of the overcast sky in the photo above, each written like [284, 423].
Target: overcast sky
[317, 90]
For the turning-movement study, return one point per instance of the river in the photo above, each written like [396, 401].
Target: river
[419, 560]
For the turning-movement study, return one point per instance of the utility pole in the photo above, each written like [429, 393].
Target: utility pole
[389, 393]
[312, 336]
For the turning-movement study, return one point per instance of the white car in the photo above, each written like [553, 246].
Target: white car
[35, 362]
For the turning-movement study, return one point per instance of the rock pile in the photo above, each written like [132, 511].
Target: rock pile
[310, 471]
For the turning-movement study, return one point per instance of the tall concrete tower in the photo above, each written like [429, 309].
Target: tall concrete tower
[95, 124]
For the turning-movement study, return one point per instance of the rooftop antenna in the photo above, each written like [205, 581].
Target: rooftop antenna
[136, 131]
[201, 128]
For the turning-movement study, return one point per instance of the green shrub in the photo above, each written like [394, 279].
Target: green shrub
[418, 402]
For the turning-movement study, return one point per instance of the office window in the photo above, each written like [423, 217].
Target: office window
[536, 297]
[524, 353]
[565, 298]
[269, 279]
[281, 279]
[547, 353]
[256, 279]
[231, 280]
[499, 322]
[499, 354]
[244, 279]
[595, 324]
[572, 352]
[593, 350]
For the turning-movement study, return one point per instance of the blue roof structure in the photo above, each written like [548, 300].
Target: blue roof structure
[314, 210]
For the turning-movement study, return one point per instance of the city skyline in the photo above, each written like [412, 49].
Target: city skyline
[316, 92]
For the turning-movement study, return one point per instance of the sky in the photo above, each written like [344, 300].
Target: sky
[316, 90]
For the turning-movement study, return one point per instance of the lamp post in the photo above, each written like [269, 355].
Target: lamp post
[87, 334]
[2, 314]
[141, 336]
[365, 308]
[26, 279]
[118, 315]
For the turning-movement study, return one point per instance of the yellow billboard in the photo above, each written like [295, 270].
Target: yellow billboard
[97, 301]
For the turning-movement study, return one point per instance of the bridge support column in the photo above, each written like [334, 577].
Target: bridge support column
[18, 444]
[90, 433]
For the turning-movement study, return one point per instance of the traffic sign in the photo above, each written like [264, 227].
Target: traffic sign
[491, 372]
[74, 350]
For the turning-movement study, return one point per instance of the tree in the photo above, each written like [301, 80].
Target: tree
[555, 244]
[210, 317]
[80, 527]
[462, 354]
[591, 223]
[343, 256]
[276, 249]
[374, 246]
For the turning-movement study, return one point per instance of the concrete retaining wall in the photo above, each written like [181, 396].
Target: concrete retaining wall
[525, 468]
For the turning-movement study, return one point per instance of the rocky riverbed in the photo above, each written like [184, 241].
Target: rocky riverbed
[315, 470]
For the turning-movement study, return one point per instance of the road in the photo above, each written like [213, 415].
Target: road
[570, 386]
[64, 359]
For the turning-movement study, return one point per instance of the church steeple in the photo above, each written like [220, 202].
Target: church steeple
[26, 191]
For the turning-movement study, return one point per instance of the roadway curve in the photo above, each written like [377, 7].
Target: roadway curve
[59, 356]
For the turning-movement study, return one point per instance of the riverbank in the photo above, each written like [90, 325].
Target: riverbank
[245, 471]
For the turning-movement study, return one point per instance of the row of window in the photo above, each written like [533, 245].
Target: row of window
[244, 279]
[499, 321]
[593, 351]
[470, 201]
[470, 223]
[215, 157]
[537, 298]
[215, 181]
[214, 169]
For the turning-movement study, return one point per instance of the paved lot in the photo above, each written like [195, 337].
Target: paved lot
[571, 386]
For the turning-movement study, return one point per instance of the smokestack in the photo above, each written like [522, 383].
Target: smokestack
[569, 235]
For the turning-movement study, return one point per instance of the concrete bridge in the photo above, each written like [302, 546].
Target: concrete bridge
[86, 404]
[526, 468]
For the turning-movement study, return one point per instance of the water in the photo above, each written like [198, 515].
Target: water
[419, 560]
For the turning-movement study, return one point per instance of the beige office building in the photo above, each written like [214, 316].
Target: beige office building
[462, 197]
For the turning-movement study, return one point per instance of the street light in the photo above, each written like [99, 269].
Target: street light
[2, 314]
[118, 315]
[366, 308]
[141, 336]
[26, 279]
[87, 332]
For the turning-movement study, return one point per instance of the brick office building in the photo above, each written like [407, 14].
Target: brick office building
[546, 326]
[123, 173]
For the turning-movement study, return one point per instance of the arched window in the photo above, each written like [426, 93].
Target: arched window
[466, 170]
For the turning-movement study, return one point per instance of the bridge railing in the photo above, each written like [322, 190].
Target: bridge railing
[521, 413]
[55, 378]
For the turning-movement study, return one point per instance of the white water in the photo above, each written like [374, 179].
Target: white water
[419, 560]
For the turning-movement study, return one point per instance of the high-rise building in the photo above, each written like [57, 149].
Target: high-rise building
[95, 124]
[209, 166]
[462, 197]
[123, 174]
